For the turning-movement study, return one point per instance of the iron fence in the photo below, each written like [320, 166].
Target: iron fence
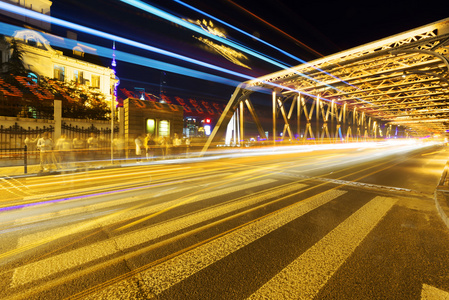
[15, 138]
[14, 156]
[82, 135]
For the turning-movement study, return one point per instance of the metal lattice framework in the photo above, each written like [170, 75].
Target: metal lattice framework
[401, 80]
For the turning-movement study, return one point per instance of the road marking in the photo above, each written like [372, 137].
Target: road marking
[432, 293]
[38, 236]
[120, 216]
[304, 277]
[67, 260]
[38, 195]
[269, 168]
[431, 153]
[166, 274]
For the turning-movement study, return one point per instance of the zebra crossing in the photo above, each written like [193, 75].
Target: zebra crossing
[303, 278]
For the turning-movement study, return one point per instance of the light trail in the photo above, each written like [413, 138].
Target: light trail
[84, 196]
[8, 29]
[146, 61]
[150, 62]
[134, 59]
[162, 14]
[310, 202]
[112, 37]
[264, 42]
[169, 17]
[244, 32]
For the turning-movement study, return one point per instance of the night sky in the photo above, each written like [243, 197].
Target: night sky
[315, 29]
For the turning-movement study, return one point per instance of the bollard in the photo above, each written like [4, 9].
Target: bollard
[25, 159]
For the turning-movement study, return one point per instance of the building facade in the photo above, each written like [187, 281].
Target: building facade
[158, 119]
[41, 59]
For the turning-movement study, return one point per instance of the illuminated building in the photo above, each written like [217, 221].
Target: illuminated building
[156, 118]
[42, 59]
[197, 113]
[76, 62]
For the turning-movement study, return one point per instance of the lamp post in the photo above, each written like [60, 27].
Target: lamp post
[114, 84]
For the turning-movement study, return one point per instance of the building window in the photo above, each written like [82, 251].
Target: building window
[96, 81]
[59, 72]
[78, 76]
[164, 128]
[151, 126]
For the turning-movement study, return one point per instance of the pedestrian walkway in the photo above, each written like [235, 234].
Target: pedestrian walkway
[35, 169]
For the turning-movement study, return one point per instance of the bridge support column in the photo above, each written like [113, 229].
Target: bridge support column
[298, 115]
[242, 136]
[274, 103]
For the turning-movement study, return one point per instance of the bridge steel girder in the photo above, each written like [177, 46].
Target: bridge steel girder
[401, 80]
[220, 126]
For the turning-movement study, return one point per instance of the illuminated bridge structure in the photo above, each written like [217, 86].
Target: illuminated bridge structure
[396, 84]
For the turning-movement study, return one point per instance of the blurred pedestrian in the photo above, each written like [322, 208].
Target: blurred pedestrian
[139, 144]
[119, 146]
[93, 144]
[177, 142]
[168, 146]
[149, 144]
[45, 146]
[78, 146]
[162, 143]
[31, 145]
[63, 147]
[187, 146]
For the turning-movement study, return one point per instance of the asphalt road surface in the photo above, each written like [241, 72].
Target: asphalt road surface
[354, 222]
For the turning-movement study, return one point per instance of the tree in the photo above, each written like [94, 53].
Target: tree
[15, 64]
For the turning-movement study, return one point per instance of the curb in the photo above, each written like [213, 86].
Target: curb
[440, 196]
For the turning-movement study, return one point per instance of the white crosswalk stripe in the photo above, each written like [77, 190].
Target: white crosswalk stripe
[46, 267]
[305, 276]
[167, 274]
[70, 229]
[432, 293]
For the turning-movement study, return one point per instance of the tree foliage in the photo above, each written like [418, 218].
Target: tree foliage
[14, 66]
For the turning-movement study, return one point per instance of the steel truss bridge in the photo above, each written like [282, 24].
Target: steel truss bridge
[368, 92]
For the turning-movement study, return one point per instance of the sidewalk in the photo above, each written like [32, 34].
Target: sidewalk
[35, 169]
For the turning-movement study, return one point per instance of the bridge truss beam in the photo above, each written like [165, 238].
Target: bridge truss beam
[365, 92]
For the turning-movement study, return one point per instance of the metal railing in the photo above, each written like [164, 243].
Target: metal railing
[15, 154]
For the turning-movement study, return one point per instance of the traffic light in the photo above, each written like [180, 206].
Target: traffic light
[207, 121]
